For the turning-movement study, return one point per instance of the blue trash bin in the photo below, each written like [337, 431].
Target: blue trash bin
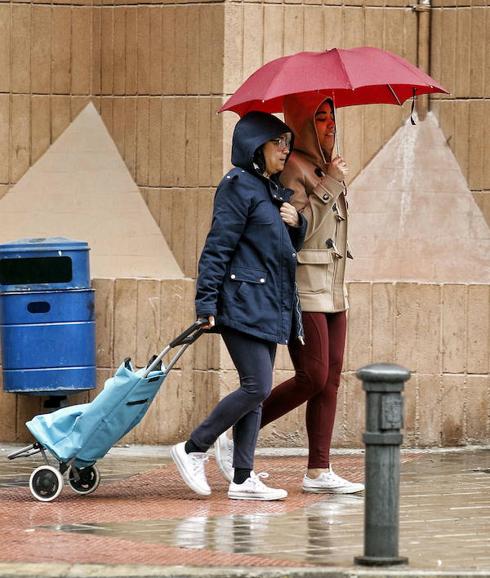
[47, 317]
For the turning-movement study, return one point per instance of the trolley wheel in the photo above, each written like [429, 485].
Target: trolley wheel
[88, 482]
[46, 483]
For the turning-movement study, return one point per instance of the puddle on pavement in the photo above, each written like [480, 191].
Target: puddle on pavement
[312, 535]
[444, 517]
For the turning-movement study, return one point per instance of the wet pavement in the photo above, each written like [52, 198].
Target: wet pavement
[143, 517]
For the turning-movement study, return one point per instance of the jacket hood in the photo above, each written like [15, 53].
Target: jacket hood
[251, 132]
[299, 113]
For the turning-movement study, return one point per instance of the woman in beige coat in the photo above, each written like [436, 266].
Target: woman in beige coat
[316, 176]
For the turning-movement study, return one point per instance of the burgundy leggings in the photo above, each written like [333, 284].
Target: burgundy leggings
[318, 365]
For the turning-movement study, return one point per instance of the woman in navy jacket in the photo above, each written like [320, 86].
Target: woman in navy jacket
[246, 290]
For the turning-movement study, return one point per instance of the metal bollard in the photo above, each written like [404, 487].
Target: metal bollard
[383, 384]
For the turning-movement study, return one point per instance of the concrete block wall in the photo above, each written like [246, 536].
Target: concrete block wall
[153, 74]
[161, 71]
[158, 72]
[175, 145]
[441, 332]
[46, 77]
[460, 48]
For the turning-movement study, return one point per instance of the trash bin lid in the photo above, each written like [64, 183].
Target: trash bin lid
[43, 244]
[46, 263]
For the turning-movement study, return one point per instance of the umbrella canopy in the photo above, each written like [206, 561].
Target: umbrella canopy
[352, 76]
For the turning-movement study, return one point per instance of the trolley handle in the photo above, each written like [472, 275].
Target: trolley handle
[190, 334]
[183, 340]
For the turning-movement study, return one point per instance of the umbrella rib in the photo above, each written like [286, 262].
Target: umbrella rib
[394, 94]
[345, 70]
[407, 66]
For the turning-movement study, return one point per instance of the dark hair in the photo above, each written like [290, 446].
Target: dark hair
[259, 159]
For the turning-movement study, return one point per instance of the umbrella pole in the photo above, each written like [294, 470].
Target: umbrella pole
[337, 147]
[337, 133]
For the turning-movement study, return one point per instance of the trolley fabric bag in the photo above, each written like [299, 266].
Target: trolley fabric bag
[87, 431]
[79, 435]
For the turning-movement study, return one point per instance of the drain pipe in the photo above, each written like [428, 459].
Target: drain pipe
[423, 10]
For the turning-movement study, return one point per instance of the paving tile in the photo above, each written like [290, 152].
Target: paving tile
[143, 514]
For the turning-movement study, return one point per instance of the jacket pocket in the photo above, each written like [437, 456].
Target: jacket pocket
[312, 271]
[243, 279]
[248, 274]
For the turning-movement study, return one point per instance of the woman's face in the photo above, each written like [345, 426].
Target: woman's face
[276, 152]
[325, 128]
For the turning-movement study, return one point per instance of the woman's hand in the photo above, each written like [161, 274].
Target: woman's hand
[211, 322]
[289, 215]
[338, 169]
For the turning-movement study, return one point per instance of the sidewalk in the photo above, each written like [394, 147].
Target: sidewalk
[143, 521]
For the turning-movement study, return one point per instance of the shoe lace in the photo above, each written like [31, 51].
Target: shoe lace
[198, 460]
[257, 479]
[334, 476]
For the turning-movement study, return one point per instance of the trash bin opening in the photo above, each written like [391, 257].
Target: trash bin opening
[35, 270]
[38, 307]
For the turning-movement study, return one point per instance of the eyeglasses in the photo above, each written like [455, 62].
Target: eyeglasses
[282, 142]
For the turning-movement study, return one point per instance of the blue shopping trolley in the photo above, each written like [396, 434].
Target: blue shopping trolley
[79, 435]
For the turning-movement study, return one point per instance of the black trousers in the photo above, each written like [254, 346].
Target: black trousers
[242, 409]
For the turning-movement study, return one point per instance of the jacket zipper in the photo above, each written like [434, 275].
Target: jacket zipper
[334, 276]
[281, 284]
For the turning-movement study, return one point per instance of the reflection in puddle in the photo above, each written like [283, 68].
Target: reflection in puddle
[16, 473]
[311, 535]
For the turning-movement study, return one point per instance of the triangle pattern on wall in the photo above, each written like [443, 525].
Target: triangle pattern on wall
[413, 217]
[81, 189]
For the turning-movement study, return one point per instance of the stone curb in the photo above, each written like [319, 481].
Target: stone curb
[19, 570]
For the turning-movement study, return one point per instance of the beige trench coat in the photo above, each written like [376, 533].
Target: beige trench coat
[321, 262]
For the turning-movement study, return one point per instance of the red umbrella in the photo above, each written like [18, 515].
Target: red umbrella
[349, 76]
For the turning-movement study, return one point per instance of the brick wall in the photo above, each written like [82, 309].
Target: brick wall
[460, 48]
[440, 332]
[46, 77]
[157, 73]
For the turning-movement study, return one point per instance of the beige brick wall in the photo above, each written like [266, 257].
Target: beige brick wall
[157, 73]
[165, 164]
[460, 47]
[156, 80]
[440, 332]
[46, 76]
[161, 83]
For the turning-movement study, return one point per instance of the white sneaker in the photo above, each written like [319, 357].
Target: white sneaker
[330, 483]
[191, 468]
[254, 489]
[223, 453]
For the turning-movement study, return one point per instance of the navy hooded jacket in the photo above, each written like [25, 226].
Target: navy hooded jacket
[247, 267]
